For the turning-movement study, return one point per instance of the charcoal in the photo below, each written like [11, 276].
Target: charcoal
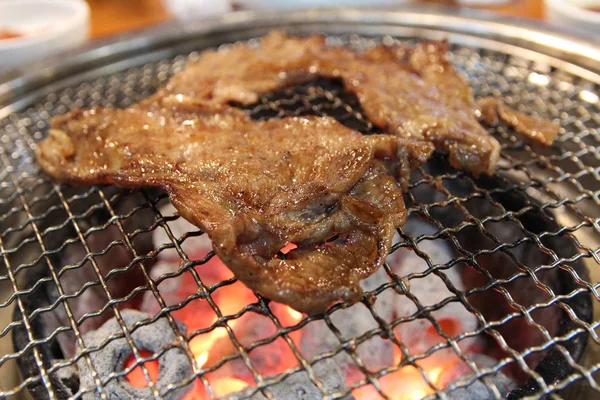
[299, 387]
[493, 304]
[174, 365]
[353, 322]
[478, 390]
[419, 334]
[69, 376]
[378, 353]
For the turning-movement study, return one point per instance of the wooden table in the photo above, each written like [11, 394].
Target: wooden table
[114, 16]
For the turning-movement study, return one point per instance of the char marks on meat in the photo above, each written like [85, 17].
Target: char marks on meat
[253, 187]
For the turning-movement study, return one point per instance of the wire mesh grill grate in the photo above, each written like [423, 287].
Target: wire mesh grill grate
[537, 219]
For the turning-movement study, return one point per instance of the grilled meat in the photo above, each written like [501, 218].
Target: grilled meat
[253, 187]
[492, 111]
[410, 92]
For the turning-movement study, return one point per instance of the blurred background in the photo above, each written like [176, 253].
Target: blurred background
[112, 16]
[33, 29]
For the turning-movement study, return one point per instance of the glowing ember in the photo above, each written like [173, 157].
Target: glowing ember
[201, 345]
[289, 247]
[136, 377]
[276, 357]
[294, 315]
[408, 383]
[211, 347]
[220, 387]
[224, 386]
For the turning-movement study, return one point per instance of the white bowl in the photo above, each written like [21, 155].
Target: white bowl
[575, 14]
[46, 27]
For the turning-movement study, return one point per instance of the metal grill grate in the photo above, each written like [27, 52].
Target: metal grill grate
[527, 230]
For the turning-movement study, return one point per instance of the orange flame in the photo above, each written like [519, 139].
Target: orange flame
[201, 345]
[220, 387]
[224, 386]
[295, 316]
[407, 383]
[136, 377]
[209, 348]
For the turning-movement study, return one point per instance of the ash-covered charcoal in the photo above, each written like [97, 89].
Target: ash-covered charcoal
[419, 334]
[477, 390]
[174, 365]
[298, 386]
[176, 288]
[376, 353]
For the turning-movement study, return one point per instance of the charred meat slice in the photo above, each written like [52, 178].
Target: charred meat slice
[253, 187]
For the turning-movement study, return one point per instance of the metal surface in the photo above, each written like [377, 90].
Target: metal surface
[547, 194]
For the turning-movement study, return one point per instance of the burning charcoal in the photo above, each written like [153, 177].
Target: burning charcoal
[478, 390]
[174, 365]
[420, 335]
[299, 387]
[176, 288]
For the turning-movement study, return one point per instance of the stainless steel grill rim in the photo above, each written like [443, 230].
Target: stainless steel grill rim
[492, 68]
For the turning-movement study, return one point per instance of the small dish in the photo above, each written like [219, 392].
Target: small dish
[33, 29]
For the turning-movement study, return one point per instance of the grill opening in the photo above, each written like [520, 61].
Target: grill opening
[485, 294]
